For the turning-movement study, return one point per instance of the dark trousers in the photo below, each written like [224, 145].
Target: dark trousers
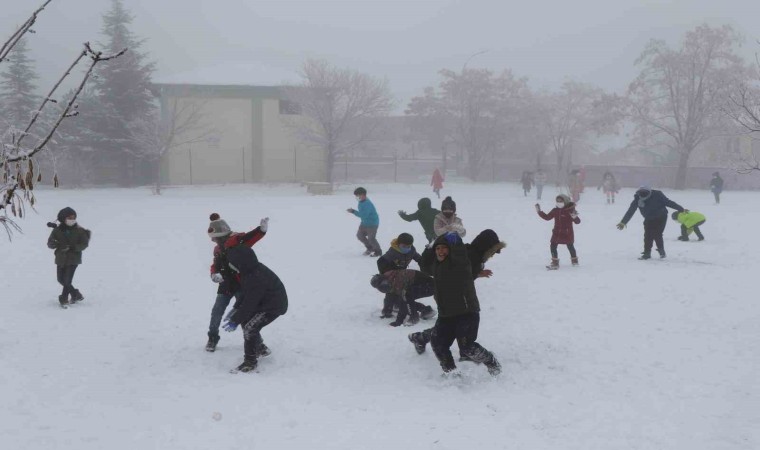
[65, 276]
[570, 248]
[367, 236]
[463, 329]
[685, 231]
[539, 191]
[252, 334]
[653, 229]
[717, 197]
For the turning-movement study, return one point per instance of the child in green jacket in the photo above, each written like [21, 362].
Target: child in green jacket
[690, 221]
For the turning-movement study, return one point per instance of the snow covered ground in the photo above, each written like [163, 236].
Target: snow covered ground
[615, 354]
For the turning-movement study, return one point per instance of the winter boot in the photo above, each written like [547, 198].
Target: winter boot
[662, 253]
[386, 315]
[262, 350]
[428, 313]
[76, 296]
[63, 300]
[645, 255]
[574, 260]
[554, 265]
[479, 354]
[418, 341]
[367, 252]
[683, 238]
[211, 344]
[248, 366]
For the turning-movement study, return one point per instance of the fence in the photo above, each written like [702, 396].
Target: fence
[404, 170]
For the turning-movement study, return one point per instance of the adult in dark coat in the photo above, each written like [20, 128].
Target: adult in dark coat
[69, 240]
[262, 300]
[653, 205]
[425, 214]
[458, 306]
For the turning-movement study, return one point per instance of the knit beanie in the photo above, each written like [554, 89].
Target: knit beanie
[405, 238]
[218, 227]
[448, 204]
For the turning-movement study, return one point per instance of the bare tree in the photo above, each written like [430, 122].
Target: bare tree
[676, 98]
[571, 116]
[743, 107]
[16, 159]
[342, 108]
[475, 108]
[181, 122]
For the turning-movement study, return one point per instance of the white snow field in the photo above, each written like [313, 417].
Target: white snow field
[614, 354]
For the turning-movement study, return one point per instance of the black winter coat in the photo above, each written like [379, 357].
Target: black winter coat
[261, 289]
[654, 207]
[454, 283]
[393, 259]
[68, 243]
[481, 249]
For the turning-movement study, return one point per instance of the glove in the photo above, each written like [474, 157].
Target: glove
[401, 212]
[453, 238]
[538, 207]
[574, 215]
[264, 224]
[229, 327]
[351, 210]
[229, 314]
[217, 277]
[620, 226]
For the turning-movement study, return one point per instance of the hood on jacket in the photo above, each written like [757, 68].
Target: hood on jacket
[486, 244]
[242, 259]
[424, 203]
[64, 213]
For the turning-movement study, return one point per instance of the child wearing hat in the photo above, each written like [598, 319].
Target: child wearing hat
[564, 216]
[392, 265]
[447, 221]
[229, 286]
[69, 240]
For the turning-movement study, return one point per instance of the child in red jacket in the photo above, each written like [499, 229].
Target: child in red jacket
[564, 216]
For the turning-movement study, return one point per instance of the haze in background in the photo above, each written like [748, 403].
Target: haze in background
[595, 41]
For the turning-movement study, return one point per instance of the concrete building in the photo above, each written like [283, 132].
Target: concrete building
[249, 137]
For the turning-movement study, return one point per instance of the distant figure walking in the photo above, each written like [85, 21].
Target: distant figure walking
[540, 181]
[716, 186]
[437, 182]
[527, 182]
[610, 186]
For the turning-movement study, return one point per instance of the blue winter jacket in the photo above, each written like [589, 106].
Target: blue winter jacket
[653, 207]
[368, 214]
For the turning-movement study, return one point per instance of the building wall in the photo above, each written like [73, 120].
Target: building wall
[226, 157]
[251, 141]
[286, 157]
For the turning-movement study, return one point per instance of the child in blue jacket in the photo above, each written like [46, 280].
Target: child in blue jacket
[370, 221]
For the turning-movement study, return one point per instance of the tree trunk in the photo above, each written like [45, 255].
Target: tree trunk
[330, 161]
[683, 165]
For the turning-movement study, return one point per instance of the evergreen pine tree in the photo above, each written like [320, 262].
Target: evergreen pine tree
[123, 88]
[18, 99]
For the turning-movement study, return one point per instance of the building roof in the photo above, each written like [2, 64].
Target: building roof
[232, 74]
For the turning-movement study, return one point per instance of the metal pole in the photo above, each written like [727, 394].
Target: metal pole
[243, 153]
[190, 160]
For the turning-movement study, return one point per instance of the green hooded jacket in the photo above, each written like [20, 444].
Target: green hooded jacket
[425, 214]
[689, 219]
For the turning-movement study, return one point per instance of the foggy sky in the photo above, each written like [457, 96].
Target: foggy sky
[407, 41]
